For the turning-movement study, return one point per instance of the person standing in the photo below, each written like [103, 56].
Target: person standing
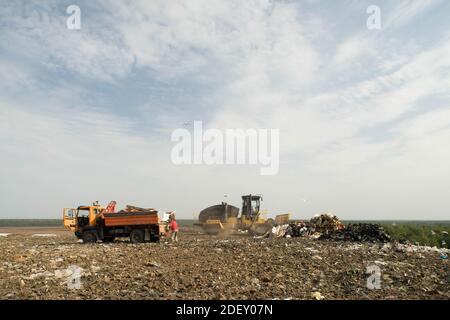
[173, 226]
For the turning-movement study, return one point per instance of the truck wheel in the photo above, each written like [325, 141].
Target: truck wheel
[137, 236]
[89, 237]
[154, 239]
[108, 239]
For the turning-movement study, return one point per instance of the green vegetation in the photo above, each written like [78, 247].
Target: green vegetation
[426, 234]
[186, 222]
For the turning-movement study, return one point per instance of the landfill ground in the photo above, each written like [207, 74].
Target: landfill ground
[209, 267]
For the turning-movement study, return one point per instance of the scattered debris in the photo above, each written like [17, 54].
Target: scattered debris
[153, 264]
[46, 274]
[295, 268]
[44, 235]
[63, 273]
[381, 263]
[317, 295]
[409, 248]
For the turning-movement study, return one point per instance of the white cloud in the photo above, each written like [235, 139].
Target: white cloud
[351, 49]
[406, 11]
[352, 138]
[39, 33]
[12, 76]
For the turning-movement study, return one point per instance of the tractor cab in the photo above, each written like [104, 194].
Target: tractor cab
[251, 205]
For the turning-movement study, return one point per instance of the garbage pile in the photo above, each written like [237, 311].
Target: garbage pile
[277, 231]
[318, 225]
[325, 223]
[360, 232]
[299, 229]
[329, 227]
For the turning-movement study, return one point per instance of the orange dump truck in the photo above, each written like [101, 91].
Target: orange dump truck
[91, 223]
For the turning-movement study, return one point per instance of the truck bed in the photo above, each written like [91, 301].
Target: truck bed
[130, 219]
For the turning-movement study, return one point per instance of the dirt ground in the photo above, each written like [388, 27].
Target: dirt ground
[208, 267]
[29, 231]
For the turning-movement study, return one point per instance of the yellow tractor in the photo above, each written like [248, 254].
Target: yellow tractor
[223, 218]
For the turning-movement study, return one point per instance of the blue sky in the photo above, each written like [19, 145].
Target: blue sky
[363, 114]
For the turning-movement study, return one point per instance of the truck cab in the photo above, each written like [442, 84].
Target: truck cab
[82, 218]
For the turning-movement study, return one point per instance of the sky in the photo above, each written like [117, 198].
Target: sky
[363, 114]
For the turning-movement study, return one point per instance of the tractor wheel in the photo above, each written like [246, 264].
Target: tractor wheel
[137, 236]
[89, 237]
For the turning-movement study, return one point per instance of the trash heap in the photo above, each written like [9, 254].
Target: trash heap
[318, 225]
[328, 227]
[278, 231]
[325, 223]
[294, 229]
[299, 229]
[358, 232]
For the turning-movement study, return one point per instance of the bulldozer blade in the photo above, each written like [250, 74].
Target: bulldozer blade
[212, 229]
[259, 229]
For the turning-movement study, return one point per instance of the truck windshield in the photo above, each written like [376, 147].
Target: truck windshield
[83, 212]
